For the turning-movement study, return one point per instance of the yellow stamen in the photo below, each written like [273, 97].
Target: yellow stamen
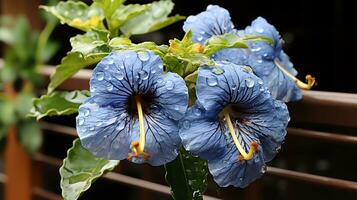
[306, 86]
[137, 147]
[243, 154]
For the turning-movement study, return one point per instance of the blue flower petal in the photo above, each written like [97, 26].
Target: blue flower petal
[263, 59]
[214, 21]
[256, 116]
[172, 95]
[108, 123]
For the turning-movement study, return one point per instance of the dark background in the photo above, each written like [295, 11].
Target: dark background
[320, 35]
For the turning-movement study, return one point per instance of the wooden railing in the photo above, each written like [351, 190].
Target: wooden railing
[321, 117]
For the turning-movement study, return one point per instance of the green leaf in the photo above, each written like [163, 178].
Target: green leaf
[77, 14]
[30, 135]
[228, 40]
[7, 111]
[187, 177]
[187, 54]
[94, 41]
[109, 6]
[71, 64]
[126, 13]
[57, 103]
[80, 169]
[154, 18]
[24, 103]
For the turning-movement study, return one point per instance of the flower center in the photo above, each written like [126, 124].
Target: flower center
[243, 154]
[137, 147]
[306, 86]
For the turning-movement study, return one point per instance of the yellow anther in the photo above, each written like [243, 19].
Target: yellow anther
[306, 86]
[243, 154]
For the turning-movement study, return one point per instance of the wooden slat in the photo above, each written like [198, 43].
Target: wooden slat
[310, 178]
[40, 192]
[324, 136]
[127, 180]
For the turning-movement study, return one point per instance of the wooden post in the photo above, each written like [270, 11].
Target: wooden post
[17, 169]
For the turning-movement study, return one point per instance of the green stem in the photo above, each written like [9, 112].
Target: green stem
[42, 40]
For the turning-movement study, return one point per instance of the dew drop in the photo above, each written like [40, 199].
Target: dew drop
[169, 85]
[120, 76]
[234, 87]
[260, 82]
[212, 81]
[202, 32]
[259, 29]
[249, 82]
[217, 70]
[247, 69]
[153, 71]
[186, 124]
[264, 169]
[100, 76]
[143, 75]
[197, 111]
[199, 38]
[86, 112]
[241, 179]
[121, 66]
[160, 66]
[120, 126]
[277, 149]
[80, 121]
[265, 55]
[91, 128]
[110, 87]
[256, 49]
[108, 61]
[260, 61]
[143, 56]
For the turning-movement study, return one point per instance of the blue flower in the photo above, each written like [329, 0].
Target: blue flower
[272, 65]
[133, 110]
[215, 21]
[269, 61]
[235, 124]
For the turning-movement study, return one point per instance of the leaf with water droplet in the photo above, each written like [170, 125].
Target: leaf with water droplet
[187, 177]
[57, 103]
[80, 169]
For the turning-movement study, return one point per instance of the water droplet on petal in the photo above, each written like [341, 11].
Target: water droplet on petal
[121, 66]
[91, 128]
[153, 71]
[212, 81]
[186, 124]
[260, 81]
[217, 70]
[110, 87]
[241, 179]
[249, 82]
[100, 76]
[259, 29]
[86, 112]
[143, 75]
[160, 66]
[247, 69]
[202, 32]
[234, 87]
[260, 61]
[169, 85]
[277, 149]
[265, 55]
[264, 169]
[143, 56]
[256, 49]
[120, 75]
[197, 111]
[120, 126]
[199, 38]
[80, 121]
